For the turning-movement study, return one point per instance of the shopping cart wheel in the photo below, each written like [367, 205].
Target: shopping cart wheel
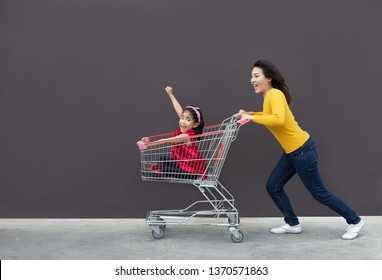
[153, 220]
[158, 233]
[162, 221]
[239, 238]
[233, 222]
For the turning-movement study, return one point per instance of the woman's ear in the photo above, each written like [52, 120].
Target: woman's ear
[195, 125]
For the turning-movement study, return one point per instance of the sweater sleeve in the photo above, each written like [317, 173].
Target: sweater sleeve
[255, 113]
[277, 105]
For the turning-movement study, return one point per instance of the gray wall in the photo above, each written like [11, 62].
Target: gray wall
[82, 80]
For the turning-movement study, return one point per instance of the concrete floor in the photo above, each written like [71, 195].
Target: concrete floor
[128, 239]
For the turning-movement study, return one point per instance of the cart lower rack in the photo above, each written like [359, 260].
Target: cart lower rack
[199, 163]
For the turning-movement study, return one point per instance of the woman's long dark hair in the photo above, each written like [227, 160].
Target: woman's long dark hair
[277, 79]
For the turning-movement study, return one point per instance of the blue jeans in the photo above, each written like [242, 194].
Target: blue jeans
[304, 162]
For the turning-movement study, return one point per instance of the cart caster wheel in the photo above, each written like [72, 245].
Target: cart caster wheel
[158, 235]
[232, 222]
[162, 226]
[237, 240]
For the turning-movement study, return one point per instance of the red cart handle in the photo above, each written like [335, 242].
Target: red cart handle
[241, 121]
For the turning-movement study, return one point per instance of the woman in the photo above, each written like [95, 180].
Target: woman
[300, 152]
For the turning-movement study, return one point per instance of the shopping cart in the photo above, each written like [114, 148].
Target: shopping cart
[212, 148]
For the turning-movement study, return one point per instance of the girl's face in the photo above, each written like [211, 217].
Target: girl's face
[186, 122]
[260, 83]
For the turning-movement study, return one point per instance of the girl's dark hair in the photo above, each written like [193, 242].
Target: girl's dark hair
[200, 127]
[277, 79]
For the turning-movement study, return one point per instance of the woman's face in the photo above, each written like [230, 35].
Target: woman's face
[260, 83]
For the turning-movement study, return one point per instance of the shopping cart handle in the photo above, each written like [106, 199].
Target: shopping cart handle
[243, 121]
[239, 120]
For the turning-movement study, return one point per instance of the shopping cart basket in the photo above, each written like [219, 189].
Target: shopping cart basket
[207, 159]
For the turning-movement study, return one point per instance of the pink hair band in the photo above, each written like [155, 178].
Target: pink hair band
[196, 111]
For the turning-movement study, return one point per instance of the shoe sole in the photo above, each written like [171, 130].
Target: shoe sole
[345, 238]
[286, 232]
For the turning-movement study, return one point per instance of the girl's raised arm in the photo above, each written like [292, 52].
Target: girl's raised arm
[178, 108]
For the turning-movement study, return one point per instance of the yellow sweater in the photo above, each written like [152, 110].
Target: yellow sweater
[278, 118]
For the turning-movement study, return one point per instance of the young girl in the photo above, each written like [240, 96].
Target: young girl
[300, 152]
[185, 160]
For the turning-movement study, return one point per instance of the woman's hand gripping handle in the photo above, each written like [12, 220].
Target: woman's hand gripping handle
[243, 117]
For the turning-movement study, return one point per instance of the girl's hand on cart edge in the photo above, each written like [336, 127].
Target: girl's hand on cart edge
[142, 145]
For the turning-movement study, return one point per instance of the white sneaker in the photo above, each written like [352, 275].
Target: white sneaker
[352, 231]
[285, 228]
